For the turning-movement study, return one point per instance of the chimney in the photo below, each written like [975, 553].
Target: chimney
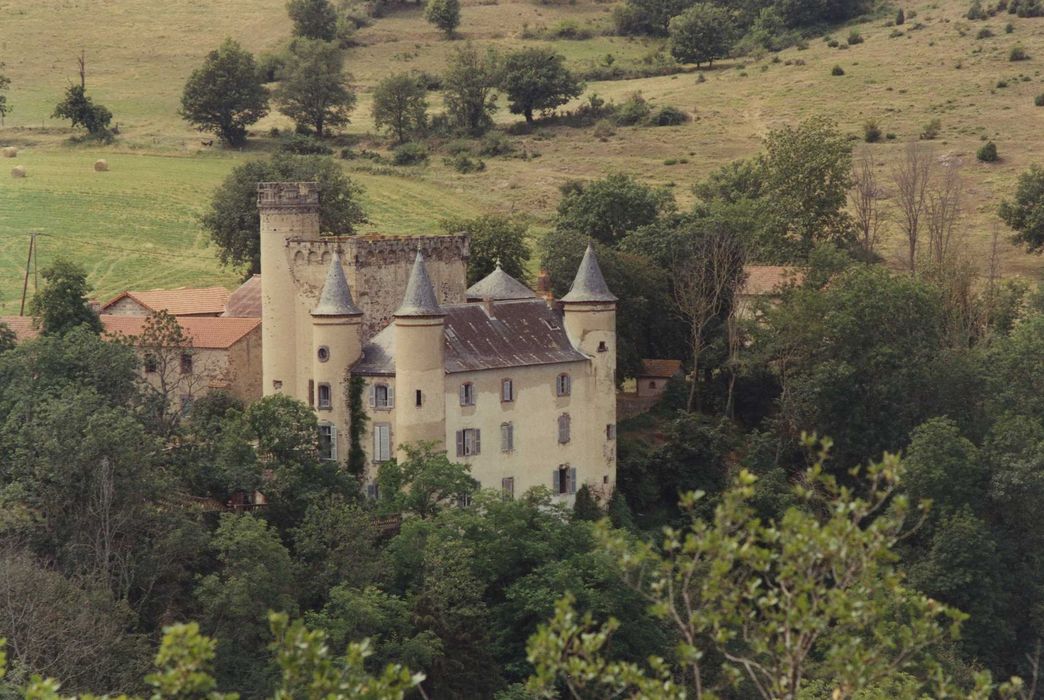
[487, 304]
[543, 286]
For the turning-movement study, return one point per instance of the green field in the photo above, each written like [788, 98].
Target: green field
[137, 225]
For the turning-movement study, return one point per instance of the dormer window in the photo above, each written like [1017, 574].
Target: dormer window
[563, 385]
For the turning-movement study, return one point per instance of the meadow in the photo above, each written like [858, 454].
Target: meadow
[136, 226]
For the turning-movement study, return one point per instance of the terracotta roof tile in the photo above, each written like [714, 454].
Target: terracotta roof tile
[186, 301]
[206, 332]
[768, 279]
[21, 325]
[660, 369]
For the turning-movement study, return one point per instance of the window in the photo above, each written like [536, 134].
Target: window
[468, 442]
[602, 347]
[563, 386]
[467, 394]
[323, 353]
[277, 385]
[151, 365]
[327, 442]
[652, 384]
[373, 492]
[610, 431]
[325, 396]
[507, 437]
[186, 404]
[381, 442]
[563, 480]
[507, 390]
[419, 399]
[563, 428]
[186, 363]
[382, 397]
[507, 486]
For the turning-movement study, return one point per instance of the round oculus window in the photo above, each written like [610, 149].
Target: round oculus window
[324, 353]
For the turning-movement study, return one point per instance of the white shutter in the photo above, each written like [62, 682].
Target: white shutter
[372, 393]
[376, 443]
[554, 482]
[391, 396]
[333, 442]
[572, 479]
[478, 441]
[460, 443]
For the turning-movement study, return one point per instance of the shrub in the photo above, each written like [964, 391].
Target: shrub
[667, 116]
[410, 154]
[931, 130]
[464, 163]
[833, 43]
[1018, 54]
[1009, 28]
[1002, 83]
[269, 65]
[1039, 100]
[984, 33]
[871, 131]
[634, 111]
[496, 144]
[604, 129]
[899, 17]
[987, 153]
[854, 37]
[303, 145]
[1027, 8]
[837, 70]
[569, 29]
[976, 11]
[894, 34]
[890, 136]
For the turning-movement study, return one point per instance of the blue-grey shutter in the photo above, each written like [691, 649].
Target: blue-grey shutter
[462, 396]
[572, 479]
[478, 441]
[554, 481]
[391, 396]
[373, 395]
[460, 443]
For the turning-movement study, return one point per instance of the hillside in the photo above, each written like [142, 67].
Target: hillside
[136, 226]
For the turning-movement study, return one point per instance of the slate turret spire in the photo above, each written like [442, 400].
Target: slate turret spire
[419, 299]
[336, 298]
[589, 284]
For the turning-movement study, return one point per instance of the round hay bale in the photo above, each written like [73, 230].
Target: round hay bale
[18, 171]
[101, 165]
[10, 152]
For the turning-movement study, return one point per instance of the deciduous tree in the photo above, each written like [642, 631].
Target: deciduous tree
[495, 239]
[313, 89]
[444, 14]
[537, 79]
[468, 85]
[400, 106]
[313, 19]
[1025, 212]
[62, 304]
[225, 94]
[701, 34]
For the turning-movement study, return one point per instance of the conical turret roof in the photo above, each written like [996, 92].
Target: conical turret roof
[589, 285]
[419, 299]
[499, 286]
[336, 298]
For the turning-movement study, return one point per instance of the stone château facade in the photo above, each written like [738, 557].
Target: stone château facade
[521, 389]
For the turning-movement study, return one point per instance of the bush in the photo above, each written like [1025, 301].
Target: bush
[854, 37]
[303, 145]
[1027, 8]
[1039, 100]
[496, 144]
[833, 43]
[1009, 28]
[410, 154]
[464, 163]
[976, 11]
[634, 111]
[1018, 54]
[931, 130]
[899, 17]
[667, 116]
[1002, 83]
[871, 131]
[604, 129]
[569, 29]
[987, 153]
[837, 70]
[269, 66]
[984, 33]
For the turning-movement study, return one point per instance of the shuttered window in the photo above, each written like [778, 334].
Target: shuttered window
[325, 396]
[507, 486]
[381, 442]
[327, 441]
[563, 385]
[469, 442]
[507, 390]
[507, 437]
[467, 394]
[564, 428]
[563, 480]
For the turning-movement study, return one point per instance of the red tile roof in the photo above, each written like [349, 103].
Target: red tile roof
[660, 369]
[186, 301]
[206, 332]
[245, 301]
[21, 325]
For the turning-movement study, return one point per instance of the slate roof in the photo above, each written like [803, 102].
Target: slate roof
[186, 301]
[518, 334]
[419, 299]
[589, 284]
[245, 301]
[336, 298]
[206, 332]
[499, 286]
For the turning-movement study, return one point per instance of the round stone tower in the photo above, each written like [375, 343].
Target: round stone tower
[336, 345]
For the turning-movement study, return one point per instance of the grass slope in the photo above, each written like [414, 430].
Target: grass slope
[136, 226]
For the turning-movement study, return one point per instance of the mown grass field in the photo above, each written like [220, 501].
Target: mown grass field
[137, 225]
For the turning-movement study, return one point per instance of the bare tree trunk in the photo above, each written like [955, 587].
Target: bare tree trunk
[944, 213]
[912, 177]
[866, 196]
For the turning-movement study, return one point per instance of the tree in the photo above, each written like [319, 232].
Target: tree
[866, 196]
[444, 14]
[1025, 213]
[701, 34]
[779, 603]
[495, 239]
[313, 19]
[62, 304]
[585, 507]
[5, 84]
[400, 106]
[537, 79]
[225, 94]
[164, 344]
[233, 220]
[612, 207]
[912, 178]
[468, 88]
[254, 576]
[312, 90]
[808, 171]
[647, 16]
[80, 110]
[425, 482]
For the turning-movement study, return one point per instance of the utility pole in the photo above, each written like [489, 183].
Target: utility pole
[28, 261]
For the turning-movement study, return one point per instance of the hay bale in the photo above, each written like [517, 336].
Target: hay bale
[101, 165]
[18, 171]
[10, 152]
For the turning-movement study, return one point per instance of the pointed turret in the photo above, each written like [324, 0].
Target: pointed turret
[589, 285]
[419, 299]
[499, 286]
[336, 297]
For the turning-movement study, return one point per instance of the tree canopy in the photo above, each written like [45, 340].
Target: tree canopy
[225, 94]
[313, 90]
[1025, 212]
[537, 79]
